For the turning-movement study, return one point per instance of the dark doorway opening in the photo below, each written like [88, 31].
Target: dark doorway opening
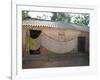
[34, 52]
[81, 44]
[34, 34]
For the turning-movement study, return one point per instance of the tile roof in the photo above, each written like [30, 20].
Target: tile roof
[57, 24]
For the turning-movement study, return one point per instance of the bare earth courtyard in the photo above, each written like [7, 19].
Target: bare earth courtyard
[62, 60]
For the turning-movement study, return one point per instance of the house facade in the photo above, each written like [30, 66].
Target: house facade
[42, 37]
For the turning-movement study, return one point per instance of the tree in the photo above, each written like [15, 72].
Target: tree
[81, 20]
[25, 15]
[59, 16]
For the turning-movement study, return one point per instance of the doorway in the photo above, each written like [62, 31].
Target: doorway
[34, 42]
[81, 44]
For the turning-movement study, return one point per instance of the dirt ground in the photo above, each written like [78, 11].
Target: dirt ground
[64, 60]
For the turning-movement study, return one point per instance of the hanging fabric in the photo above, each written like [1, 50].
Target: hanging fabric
[58, 47]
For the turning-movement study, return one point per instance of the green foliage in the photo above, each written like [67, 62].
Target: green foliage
[81, 20]
[25, 15]
[61, 17]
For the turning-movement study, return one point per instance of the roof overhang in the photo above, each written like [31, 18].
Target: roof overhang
[55, 25]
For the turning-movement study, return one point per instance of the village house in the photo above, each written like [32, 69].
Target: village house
[41, 37]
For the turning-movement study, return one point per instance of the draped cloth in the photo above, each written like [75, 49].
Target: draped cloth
[34, 40]
[34, 44]
[58, 47]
